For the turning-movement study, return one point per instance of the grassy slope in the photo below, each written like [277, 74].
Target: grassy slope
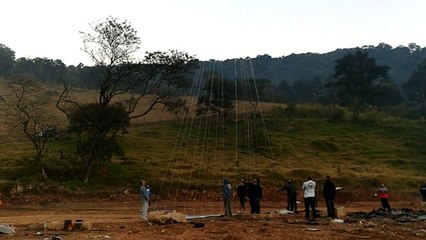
[358, 156]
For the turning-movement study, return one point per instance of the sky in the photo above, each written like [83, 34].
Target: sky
[213, 29]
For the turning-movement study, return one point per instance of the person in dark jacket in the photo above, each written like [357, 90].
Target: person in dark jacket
[329, 194]
[291, 195]
[423, 192]
[227, 196]
[242, 195]
[255, 194]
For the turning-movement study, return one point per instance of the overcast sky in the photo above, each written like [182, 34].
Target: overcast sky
[213, 29]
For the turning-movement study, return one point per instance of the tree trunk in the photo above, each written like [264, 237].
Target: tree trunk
[43, 174]
[88, 170]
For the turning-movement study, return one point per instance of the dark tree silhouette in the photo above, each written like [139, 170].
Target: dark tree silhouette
[356, 75]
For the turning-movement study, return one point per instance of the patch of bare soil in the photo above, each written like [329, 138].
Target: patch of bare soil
[121, 220]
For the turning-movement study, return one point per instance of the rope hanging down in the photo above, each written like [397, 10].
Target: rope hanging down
[204, 151]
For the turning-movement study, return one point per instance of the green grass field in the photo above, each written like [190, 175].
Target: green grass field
[377, 149]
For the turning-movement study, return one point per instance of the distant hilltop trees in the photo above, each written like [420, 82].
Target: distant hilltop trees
[296, 78]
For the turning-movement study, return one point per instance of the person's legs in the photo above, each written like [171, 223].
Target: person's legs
[330, 208]
[290, 204]
[383, 201]
[242, 204]
[327, 204]
[386, 204]
[257, 205]
[306, 202]
[333, 209]
[252, 207]
[144, 211]
[228, 209]
[294, 202]
[312, 203]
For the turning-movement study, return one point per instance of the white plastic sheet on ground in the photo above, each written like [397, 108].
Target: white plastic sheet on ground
[6, 229]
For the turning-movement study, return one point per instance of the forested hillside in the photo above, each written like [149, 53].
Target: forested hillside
[402, 60]
[297, 78]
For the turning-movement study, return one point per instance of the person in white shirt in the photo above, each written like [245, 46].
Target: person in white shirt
[309, 197]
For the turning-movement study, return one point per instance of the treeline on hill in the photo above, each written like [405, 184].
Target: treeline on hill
[297, 78]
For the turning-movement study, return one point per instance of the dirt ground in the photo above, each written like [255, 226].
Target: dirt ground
[121, 220]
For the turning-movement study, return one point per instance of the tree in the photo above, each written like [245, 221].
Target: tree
[218, 97]
[355, 76]
[122, 85]
[44, 69]
[387, 93]
[7, 60]
[28, 111]
[415, 87]
[286, 92]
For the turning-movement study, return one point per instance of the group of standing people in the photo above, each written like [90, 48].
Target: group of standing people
[253, 191]
[309, 197]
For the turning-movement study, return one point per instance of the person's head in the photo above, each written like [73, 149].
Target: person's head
[255, 182]
[289, 180]
[328, 178]
[309, 177]
[242, 182]
[383, 185]
[225, 181]
[142, 182]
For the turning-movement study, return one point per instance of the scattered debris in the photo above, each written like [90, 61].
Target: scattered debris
[166, 217]
[7, 229]
[398, 215]
[78, 224]
[340, 212]
[337, 220]
[198, 225]
[312, 229]
[313, 223]
[68, 225]
[284, 211]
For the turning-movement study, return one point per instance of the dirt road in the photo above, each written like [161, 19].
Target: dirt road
[120, 220]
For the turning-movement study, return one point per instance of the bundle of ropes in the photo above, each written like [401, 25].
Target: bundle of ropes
[218, 137]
